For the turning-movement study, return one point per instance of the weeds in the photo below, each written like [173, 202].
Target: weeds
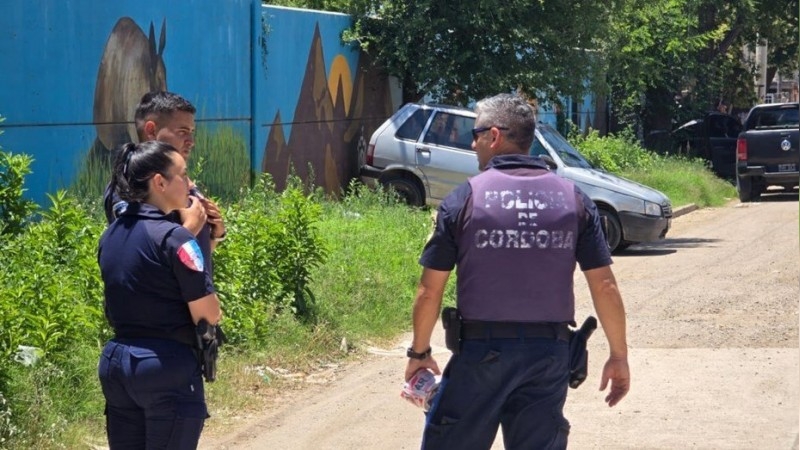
[15, 210]
[298, 276]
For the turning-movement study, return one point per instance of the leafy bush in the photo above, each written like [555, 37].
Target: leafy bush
[51, 300]
[613, 153]
[14, 208]
[683, 180]
[41, 278]
[266, 265]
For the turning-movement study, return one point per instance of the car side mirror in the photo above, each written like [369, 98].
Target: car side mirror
[551, 163]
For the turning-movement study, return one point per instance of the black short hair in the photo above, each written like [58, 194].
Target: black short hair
[158, 104]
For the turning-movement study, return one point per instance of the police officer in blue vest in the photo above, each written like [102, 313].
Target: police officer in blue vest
[168, 117]
[514, 233]
[156, 291]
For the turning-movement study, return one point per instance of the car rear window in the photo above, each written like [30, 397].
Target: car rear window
[774, 118]
[413, 126]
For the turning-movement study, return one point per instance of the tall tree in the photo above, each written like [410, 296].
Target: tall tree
[456, 51]
[671, 61]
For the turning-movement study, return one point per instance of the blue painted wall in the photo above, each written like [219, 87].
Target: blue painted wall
[275, 89]
[51, 55]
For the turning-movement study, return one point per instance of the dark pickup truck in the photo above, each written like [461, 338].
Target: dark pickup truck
[712, 138]
[767, 150]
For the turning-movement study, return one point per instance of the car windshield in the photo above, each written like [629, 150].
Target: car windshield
[565, 151]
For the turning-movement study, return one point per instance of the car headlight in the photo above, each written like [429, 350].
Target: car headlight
[652, 209]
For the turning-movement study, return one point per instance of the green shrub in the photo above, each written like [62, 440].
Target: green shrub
[613, 153]
[265, 266]
[50, 299]
[50, 266]
[15, 210]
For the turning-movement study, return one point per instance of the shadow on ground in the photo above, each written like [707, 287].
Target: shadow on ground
[666, 246]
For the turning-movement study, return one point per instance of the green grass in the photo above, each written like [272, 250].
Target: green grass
[684, 182]
[366, 286]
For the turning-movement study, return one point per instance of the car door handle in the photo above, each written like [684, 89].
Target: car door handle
[424, 151]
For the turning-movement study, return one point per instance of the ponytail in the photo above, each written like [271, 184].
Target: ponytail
[136, 164]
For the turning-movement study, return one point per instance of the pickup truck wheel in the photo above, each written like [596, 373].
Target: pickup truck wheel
[408, 191]
[613, 230]
[747, 190]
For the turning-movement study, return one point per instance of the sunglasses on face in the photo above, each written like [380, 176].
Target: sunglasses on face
[479, 130]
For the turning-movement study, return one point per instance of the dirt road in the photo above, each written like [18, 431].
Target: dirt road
[713, 334]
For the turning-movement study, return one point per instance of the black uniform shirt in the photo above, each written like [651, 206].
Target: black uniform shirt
[151, 268]
[114, 206]
[441, 251]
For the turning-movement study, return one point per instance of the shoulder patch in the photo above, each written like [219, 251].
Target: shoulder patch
[190, 255]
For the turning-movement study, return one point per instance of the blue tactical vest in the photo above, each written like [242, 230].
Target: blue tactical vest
[517, 251]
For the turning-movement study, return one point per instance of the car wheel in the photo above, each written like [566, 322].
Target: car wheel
[613, 230]
[408, 191]
[747, 190]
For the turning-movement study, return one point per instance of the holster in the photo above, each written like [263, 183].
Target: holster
[451, 321]
[578, 355]
[209, 339]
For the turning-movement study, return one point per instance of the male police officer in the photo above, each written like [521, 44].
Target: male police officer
[515, 233]
[168, 117]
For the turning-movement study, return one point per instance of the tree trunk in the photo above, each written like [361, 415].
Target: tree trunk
[411, 93]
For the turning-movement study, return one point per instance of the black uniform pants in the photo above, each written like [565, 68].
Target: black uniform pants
[519, 384]
[154, 394]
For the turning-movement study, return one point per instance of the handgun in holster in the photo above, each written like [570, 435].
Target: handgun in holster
[451, 321]
[578, 355]
[209, 339]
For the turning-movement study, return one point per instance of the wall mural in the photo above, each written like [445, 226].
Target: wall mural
[333, 119]
[132, 66]
[71, 96]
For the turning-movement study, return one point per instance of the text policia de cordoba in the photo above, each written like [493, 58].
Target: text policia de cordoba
[526, 235]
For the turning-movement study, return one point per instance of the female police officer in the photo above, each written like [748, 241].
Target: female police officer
[155, 292]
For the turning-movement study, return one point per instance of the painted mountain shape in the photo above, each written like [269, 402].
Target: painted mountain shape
[324, 140]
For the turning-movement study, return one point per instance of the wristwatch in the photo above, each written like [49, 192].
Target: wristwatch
[412, 354]
[221, 237]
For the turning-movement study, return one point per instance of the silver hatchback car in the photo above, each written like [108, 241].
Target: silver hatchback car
[424, 151]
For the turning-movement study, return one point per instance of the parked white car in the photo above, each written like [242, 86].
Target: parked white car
[424, 151]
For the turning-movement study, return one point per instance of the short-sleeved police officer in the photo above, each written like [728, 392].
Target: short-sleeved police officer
[515, 233]
[156, 290]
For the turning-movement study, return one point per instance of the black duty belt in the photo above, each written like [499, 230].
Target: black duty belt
[472, 329]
